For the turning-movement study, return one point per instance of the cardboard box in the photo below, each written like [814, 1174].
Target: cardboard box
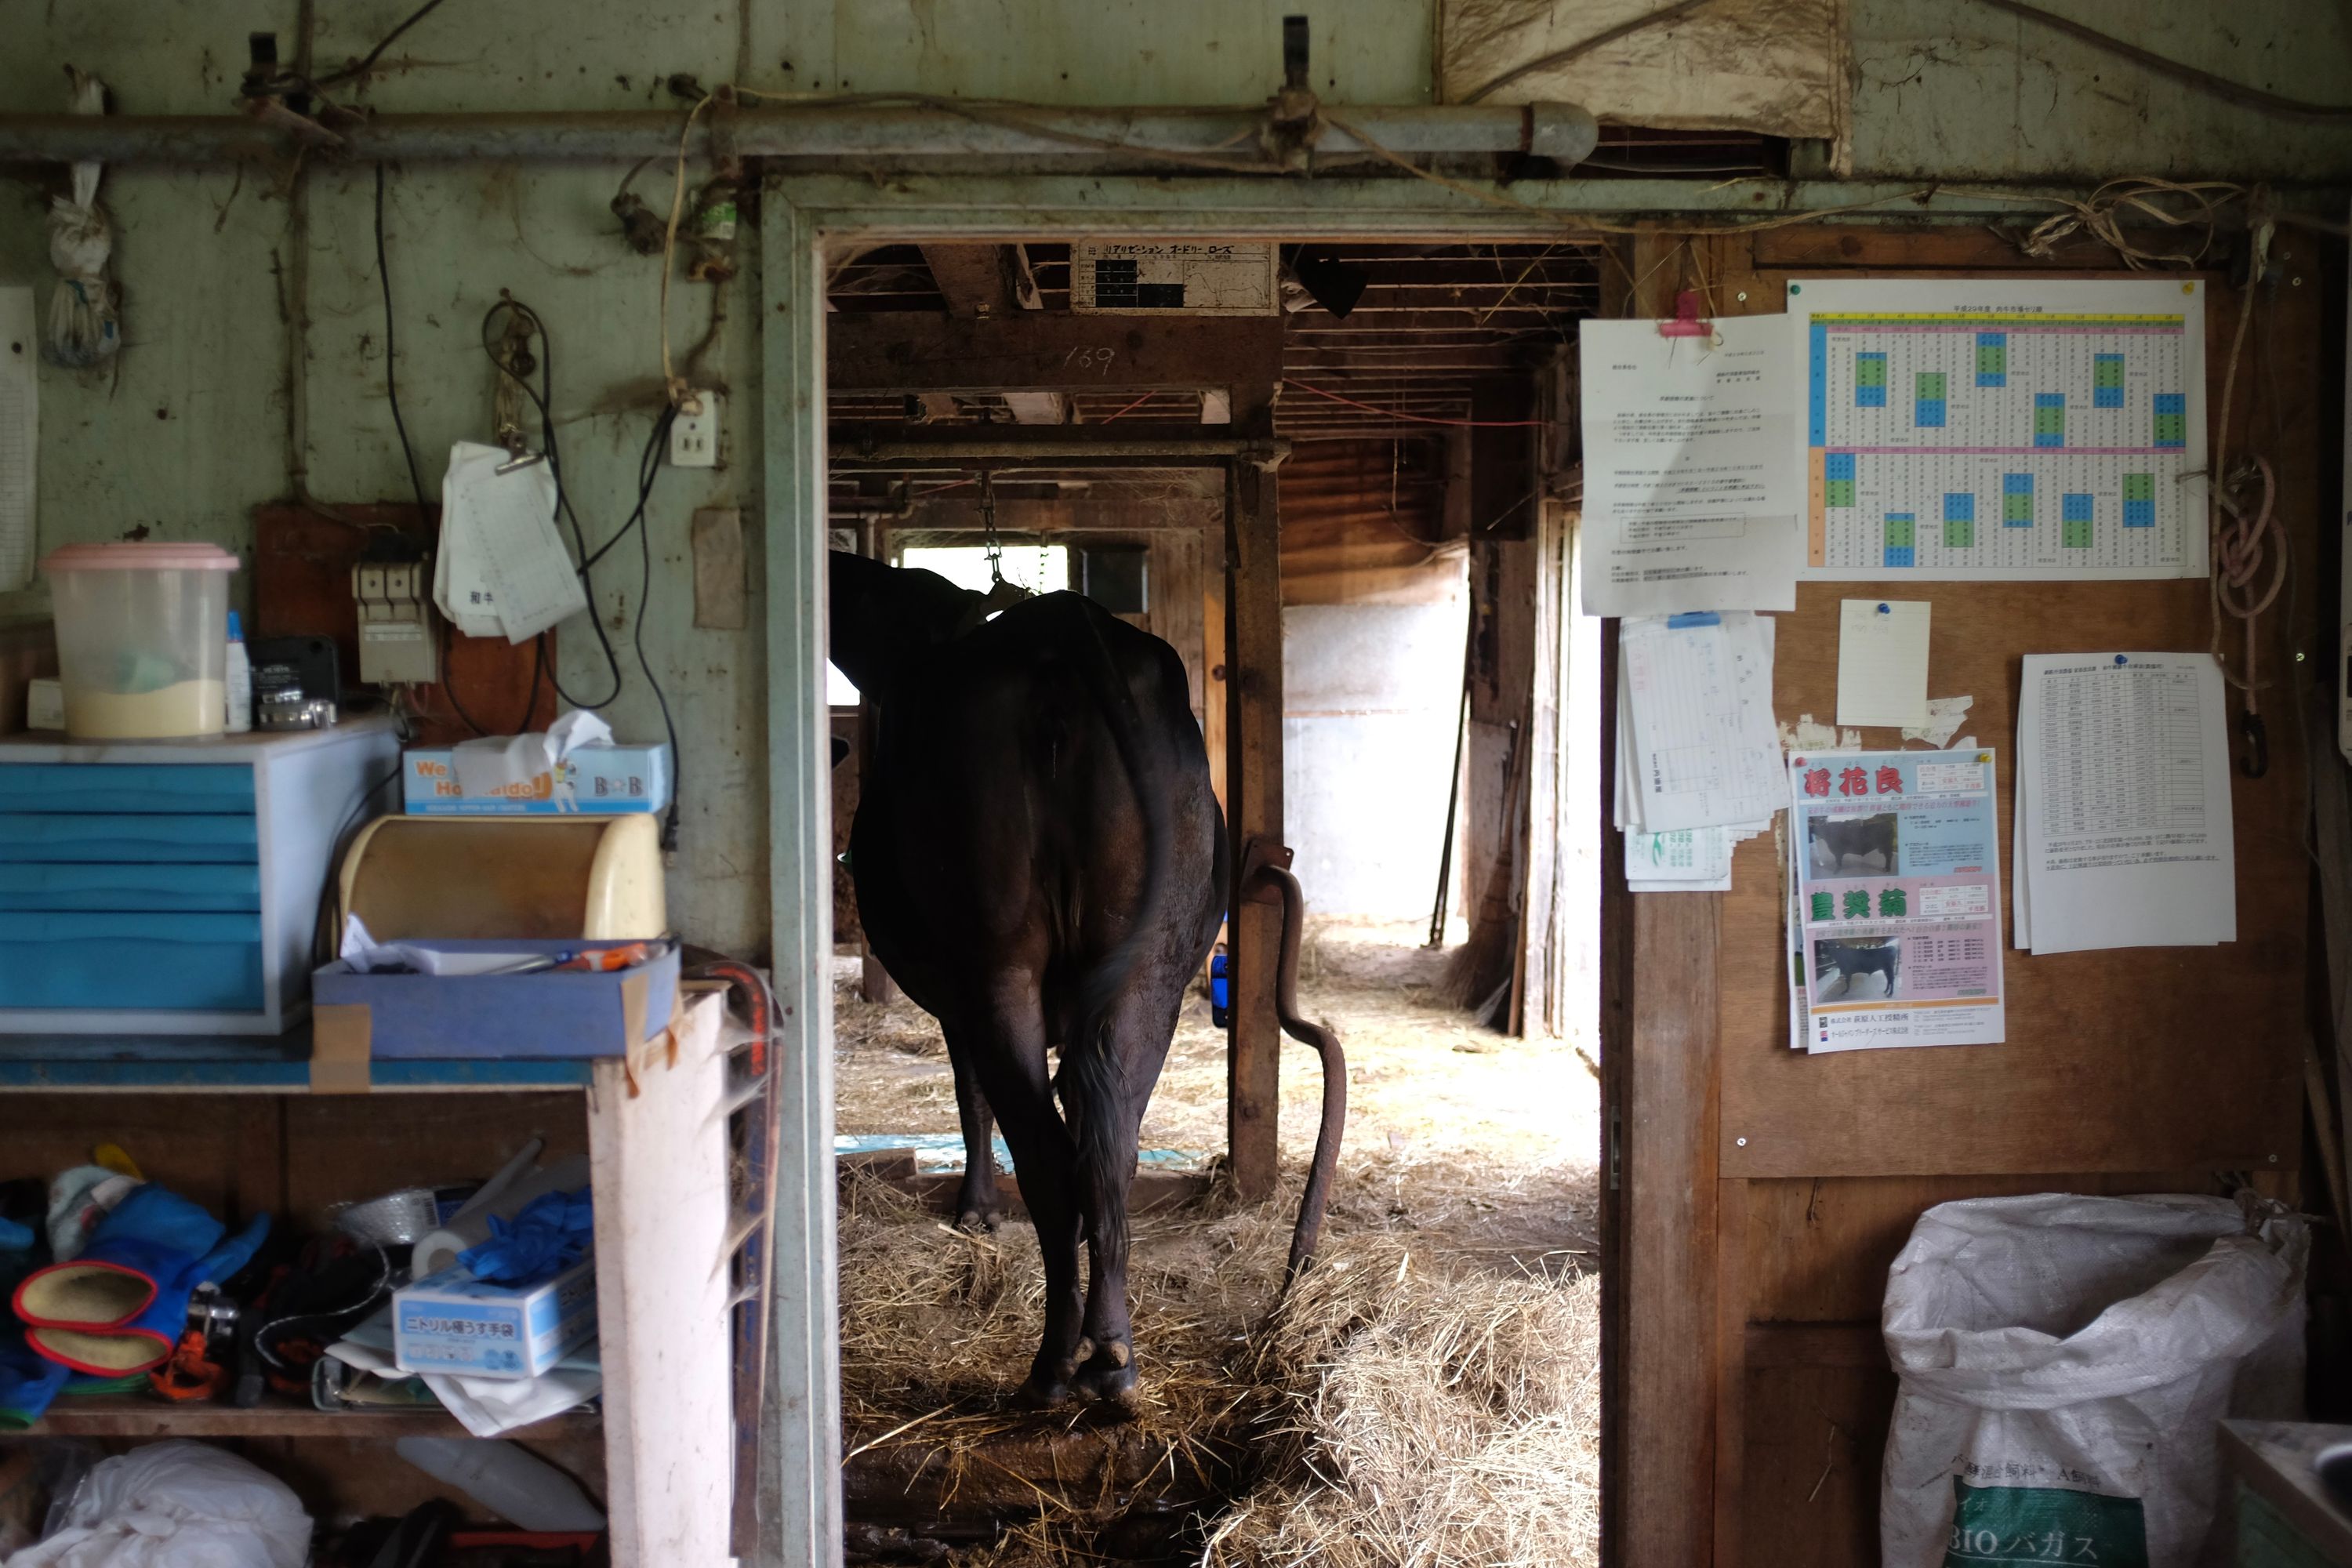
[546, 1013]
[597, 780]
[453, 1322]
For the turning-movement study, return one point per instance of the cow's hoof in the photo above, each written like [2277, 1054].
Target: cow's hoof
[1038, 1392]
[1109, 1376]
[976, 1222]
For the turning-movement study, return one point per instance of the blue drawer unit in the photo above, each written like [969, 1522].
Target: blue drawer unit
[174, 887]
[129, 839]
[107, 888]
[207, 962]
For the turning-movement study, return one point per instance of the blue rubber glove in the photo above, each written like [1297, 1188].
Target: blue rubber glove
[27, 1381]
[122, 1304]
[550, 1234]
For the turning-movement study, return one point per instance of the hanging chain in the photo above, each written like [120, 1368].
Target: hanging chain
[994, 545]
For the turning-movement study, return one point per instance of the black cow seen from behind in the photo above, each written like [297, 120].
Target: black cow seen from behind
[1040, 863]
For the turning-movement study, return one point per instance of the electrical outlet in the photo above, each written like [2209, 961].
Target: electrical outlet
[694, 433]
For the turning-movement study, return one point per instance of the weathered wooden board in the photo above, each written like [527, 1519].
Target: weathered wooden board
[2192, 1057]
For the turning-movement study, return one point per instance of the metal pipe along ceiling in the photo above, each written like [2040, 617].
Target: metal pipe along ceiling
[1558, 131]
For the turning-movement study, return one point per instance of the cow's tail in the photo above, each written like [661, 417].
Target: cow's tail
[1092, 1079]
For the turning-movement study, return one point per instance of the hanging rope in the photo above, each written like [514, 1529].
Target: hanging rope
[2243, 529]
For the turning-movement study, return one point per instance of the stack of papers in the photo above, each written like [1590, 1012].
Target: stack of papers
[502, 570]
[2122, 836]
[1894, 901]
[1698, 757]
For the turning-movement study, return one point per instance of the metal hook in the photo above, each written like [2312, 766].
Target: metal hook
[2256, 762]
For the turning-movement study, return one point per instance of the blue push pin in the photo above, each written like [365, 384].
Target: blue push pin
[1885, 610]
[2120, 660]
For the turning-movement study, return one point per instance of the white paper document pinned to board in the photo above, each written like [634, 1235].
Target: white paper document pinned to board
[1691, 492]
[502, 570]
[1881, 673]
[2122, 829]
[1697, 747]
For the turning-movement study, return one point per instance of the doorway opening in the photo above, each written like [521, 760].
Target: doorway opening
[1428, 676]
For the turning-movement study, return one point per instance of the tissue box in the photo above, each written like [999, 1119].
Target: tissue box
[594, 779]
[544, 1012]
[453, 1322]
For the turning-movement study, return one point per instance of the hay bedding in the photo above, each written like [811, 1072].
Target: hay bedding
[1428, 1397]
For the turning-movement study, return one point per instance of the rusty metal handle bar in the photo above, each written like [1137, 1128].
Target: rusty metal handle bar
[1267, 878]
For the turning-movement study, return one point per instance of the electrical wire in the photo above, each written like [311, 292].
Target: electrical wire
[1421, 418]
[285, 81]
[649, 463]
[408, 453]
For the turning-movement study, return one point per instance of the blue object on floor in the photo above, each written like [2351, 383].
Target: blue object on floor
[1220, 993]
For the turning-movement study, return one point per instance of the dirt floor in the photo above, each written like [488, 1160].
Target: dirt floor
[1351, 1427]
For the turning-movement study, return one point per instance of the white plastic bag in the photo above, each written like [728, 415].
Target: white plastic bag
[2064, 1365]
[176, 1505]
[83, 328]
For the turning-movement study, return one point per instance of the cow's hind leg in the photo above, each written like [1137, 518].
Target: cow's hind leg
[1008, 1059]
[1137, 1041]
[976, 1201]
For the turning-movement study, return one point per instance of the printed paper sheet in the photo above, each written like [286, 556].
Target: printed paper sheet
[1961, 428]
[2123, 833]
[1690, 501]
[1894, 922]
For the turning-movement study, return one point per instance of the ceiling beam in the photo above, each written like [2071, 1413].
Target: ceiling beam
[917, 351]
[970, 278]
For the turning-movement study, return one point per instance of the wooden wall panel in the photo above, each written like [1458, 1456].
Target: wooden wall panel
[1812, 1440]
[1784, 1184]
[219, 1150]
[1817, 1249]
[2191, 1058]
[302, 561]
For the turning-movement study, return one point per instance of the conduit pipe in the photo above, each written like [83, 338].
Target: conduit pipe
[1558, 131]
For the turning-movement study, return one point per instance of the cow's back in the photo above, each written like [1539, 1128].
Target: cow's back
[1002, 826]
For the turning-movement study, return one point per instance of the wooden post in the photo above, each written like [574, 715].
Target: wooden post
[1661, 1404]
[1254, 792]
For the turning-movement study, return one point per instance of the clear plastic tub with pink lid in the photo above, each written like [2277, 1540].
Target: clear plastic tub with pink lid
[142, 650]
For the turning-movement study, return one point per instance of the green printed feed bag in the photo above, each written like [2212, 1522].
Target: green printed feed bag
[2065, 1363]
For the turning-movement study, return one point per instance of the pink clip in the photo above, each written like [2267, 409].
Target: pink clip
[1687, 324]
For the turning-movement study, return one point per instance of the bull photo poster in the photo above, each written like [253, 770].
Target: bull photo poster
[1894, 928]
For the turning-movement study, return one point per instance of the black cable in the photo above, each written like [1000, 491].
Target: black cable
[367, 62]
[257, 85]
[649, 464]
[416, 479]
[324, 940]
[390, 389]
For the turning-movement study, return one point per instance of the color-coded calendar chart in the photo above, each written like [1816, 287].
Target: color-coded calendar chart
[1968, 429]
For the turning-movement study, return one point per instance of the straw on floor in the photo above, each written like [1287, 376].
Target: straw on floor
[1427, 1397]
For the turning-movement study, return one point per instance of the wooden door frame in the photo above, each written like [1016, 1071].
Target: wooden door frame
[1659, 1160]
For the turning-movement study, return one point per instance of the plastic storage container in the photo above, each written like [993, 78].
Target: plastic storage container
[140, 650]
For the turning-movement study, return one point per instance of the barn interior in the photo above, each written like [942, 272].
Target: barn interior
[497, 365]
[1398, 408]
